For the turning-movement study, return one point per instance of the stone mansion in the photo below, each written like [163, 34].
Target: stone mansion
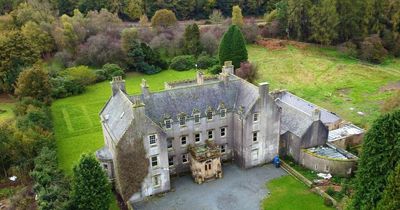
[249, 125]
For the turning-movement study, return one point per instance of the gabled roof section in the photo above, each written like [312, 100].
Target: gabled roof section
[327, 117]
[293, 120]
[117, 114]
[172, 102]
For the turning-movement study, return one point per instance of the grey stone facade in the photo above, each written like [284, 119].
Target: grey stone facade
[249, 124]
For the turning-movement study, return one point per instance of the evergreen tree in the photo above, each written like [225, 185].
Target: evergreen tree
[163, 18]
[237, 17]
[299, 19]
[350, 19]
[391, 195]
[91, 189]
[191, 40]
[379, 157]
[324, 20]
[233, 47]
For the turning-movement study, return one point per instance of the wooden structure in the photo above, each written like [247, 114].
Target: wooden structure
[205, 162]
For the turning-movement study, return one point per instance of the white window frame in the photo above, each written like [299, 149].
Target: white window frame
[186, 140]
[212, 134]
[182, 119]
[225, 130]
[207, 116]
[156, 181]
[256, 117]
[222, 111]
[156, 161]
[195, 138]
[168, 122]
[255, 136]
[150, 139]
[185, 156]
[196, 116]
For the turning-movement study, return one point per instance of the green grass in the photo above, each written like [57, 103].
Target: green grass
[328, 78]
[288, 193]
[6, 111]
[76, 121]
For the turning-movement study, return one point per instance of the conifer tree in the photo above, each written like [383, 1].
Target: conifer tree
[350, 19]
[324, 21]
[233, 47]
[191, 41]
[391, 195]
[91, 189]
[379, 157]
[237, 17]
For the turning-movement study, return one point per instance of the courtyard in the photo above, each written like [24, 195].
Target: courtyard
[238, 189]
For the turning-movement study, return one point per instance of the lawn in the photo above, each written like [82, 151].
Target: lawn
[328, 78]
[76, 121]
[288, 193]
[6, 111]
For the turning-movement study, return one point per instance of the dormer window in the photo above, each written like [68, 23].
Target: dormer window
[182, 120]
[223, 113]
[209, 115]
[255, 117]
[168, 124]
[197, 118]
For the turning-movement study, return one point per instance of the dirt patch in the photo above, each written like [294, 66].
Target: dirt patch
[390, 87]
[5, 98]
[279, 44]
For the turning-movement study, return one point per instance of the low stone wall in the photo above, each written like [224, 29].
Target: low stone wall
[323, 164]
[349, 141]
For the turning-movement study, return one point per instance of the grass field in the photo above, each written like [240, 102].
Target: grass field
[76, 121]
[328, 78]
[6, 111]
[288, 193]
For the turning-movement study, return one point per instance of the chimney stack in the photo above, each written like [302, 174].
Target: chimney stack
[145, 88]
[200, 78]
[316, 114]
[263, 89]
[117, 84]
[228, 68]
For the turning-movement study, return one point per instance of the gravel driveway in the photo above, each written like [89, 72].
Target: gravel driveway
[238, 189]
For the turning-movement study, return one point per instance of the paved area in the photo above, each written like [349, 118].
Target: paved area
[238, 189]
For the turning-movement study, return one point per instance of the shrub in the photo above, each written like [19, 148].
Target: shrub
[81, 74]
[330, 191]
[216, 16]
[391, 103]
[216, 69]
[328, 202]
[183, 62]
[247, 71]
[109, 71]
[64, 86]
[271, 30]
[250, 30]
[163, 18]
[206, 61]
[349, 48]
[233, 47]
[372, 50]
[209, 43]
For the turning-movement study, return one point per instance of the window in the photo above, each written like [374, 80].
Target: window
[223, 113]
[197, 118]
[182, 120]
[154, 161]
[152, 139]
[210, 134]
[209, 115]
[255, 117]
[156, 181]
[183, 140]
[197, 137]
[168, 124]
[169, 143]
[223, 148]
[223, 132]
[255, 136]
[185, 158]
[105, 166]
[171, 161]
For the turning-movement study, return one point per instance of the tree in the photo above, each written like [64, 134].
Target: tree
[233, 47]
[299, 19]
[191, 40]
[184, 8]
[350, 19]
[391, 195]
[16, 53]
[372, 49]
[237, 17]
[379, 157]
[34, 82]
[92, 5]
[144, 21]
[91, 189]
[39, 38]
[133, 8]
[163, 18]
[324, 20]
[216, 16]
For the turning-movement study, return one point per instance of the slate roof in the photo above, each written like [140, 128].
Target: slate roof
[179, 100]
[117, 114]
[345, 131]
[293, 119]
[327, 117]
